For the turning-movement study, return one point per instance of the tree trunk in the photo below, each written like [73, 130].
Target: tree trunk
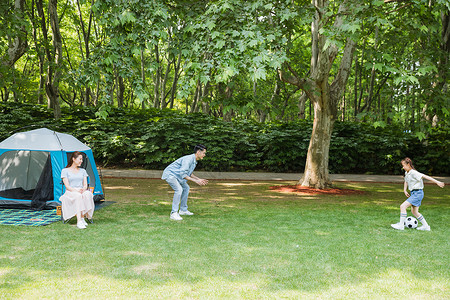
[52, 84]
[40, 97]
[285, 104]
[144, 84]
[176, 75]
[51, 81]
[40, 54]
[120, 92]
[316, 169]
[444, 59]
[359, 69]
[163, 95]
[5, 95]
[225, 92]
[301, 106]
[198, 90]
[273, 98]
[355, 90]
[204, 105]
[18, 46]
[325, 97]
[157, 79]
[86, 37]
[368, 103]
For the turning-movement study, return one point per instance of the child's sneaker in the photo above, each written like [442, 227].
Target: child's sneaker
[399, 226]
[423, 227]
[185, 213]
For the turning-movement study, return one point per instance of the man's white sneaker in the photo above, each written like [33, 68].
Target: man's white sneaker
[80, 225]
[398, 226]
[186, 213]
[423, 227]
[175, 216]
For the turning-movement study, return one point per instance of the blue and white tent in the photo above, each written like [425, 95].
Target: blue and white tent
[31, 164]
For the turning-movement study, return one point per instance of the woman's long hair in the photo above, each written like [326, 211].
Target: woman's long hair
[409, 162]
[72, 157]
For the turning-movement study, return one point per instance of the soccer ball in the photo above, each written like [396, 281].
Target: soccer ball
[411, 222]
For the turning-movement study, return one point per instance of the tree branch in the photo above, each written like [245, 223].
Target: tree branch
[397, 9]
[338, 85]
[294, 80]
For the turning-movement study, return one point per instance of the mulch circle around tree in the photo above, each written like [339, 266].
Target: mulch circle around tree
[298, 189]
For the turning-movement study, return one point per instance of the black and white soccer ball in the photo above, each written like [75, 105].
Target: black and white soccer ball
[411, 222]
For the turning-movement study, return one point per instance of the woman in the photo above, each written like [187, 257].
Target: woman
[77, 200]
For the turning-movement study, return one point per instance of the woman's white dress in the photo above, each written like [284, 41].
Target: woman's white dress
[74, 202]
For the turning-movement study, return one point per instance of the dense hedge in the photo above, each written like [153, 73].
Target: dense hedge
[153, 138]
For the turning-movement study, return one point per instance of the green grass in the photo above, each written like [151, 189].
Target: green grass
[244, 241]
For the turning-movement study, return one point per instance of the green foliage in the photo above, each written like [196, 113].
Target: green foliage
[153, 138]
[285, 145]
[359, 148]
[126, 53]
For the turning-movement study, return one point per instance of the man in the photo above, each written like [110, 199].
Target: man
[176, 174]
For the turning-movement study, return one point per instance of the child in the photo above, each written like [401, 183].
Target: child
[414, 182]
